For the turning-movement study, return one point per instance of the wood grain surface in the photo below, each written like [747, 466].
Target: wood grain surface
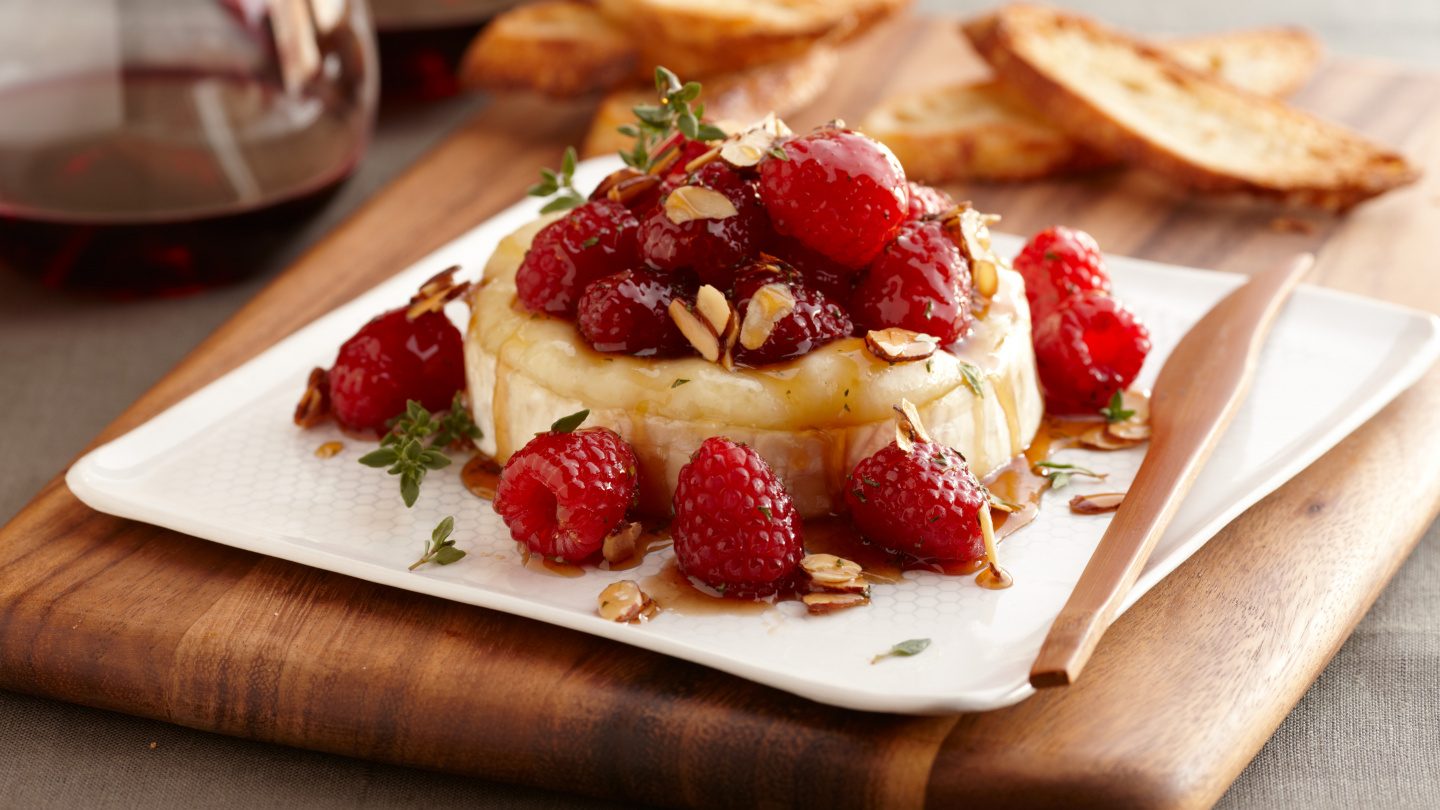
[1179, 696]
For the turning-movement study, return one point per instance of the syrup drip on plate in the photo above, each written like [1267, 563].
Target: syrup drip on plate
[481, 475]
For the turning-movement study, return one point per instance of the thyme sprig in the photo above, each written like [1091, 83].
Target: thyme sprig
[1116, 410]
[656, 122]
[1060, 473]
[559, 186]
[405, 452]
[441, 549]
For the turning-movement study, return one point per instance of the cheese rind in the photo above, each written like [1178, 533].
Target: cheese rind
[811, 419]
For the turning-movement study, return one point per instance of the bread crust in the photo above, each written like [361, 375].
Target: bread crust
[560, 48]
[1317, 164]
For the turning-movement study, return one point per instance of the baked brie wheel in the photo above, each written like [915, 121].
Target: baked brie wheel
[812, 419]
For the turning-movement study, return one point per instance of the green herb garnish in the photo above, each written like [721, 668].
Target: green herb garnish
[1059, 474]
[1116, 410]
[973, 379]
[655, 122]
[560, 186]
[679, 381]
[404, 450]
[441, 549]
[567, 424]
[904, 649]
[456, 427]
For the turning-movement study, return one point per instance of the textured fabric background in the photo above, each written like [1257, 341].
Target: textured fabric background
[1367, 734]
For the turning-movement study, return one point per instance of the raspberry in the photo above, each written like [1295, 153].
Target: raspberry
[627, 313]
[927, 201]
[1058, 263]
[925, 503]
[393, 359]
[593, 241]
[838, 192]
[920, 282]
[815, 320]
[710, 246]
[563, 493]
[1086, 349]
[819, 272]
[735, 528]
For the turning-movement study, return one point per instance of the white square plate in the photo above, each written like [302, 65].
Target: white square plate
[227, 465]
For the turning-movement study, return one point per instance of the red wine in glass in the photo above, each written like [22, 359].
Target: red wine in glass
[151, 180]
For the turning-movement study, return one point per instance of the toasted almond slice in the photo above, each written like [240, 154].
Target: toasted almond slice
[711, 305]
[822, 603]
[1136, 427]
[435, 293]
[329, 450]
[697, 202]
[830, 573]
[695, 330]
[768, 305]
[985, 277]
[1096, 503]
[620, 544]
[1099, 437]
[699, 162]
[908, 427]
[896, 345]
[972, 233]
[623, 601]
[314, 404]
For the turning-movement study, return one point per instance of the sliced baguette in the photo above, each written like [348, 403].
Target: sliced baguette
[700, 38]
[561, 48]
[1129, 100]
[988, 132]
[743, 96]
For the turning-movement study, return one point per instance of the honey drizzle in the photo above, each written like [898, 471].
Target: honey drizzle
[481, 475]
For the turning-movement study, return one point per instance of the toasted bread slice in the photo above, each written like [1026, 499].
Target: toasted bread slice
[978, 131]
[700, 38]
[1269, 61]
[743, 96]
[986, 131]
[1129, 100]
[561, 48]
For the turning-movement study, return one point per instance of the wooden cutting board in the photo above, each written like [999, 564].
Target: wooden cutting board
[1180, 696]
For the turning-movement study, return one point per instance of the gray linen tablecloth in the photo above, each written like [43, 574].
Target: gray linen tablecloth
[1367, 734]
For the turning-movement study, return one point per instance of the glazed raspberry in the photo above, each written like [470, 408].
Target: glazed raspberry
[814, 322]
[920, 282]
[393, 359]
[927, 201]
[626, 313]
[819, 272]
[838, 192]
[1058, 263]
[709, 246]
[593, 241]
[1086, 349]
[563, 493]
[925, 503]
[735, 528]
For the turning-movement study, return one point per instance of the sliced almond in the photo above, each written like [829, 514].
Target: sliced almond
[1096, 503]
[822, 603]
[695, 330]
[749, 147]
[1099, 437]
[623, 601]
[689, 203]
[828, 572]
[1136, 427]
[971, 230]
[620, 545]
[908, 427]
[699, 162]
[712, 305]
[768, 306]
[896, 345]
[435, 293]
[632, 187]
[314, 404]
[329, 450]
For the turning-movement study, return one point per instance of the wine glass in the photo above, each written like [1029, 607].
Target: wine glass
[148, 146]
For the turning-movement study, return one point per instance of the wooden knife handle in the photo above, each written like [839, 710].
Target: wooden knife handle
[1197, 394]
